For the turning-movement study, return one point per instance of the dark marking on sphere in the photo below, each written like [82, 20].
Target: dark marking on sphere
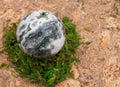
[62, 26]
[39, 22]
[32, 19]
[63, 30]
[23, 33]
[42, 15]
[34, 23]
[52, 46]
[59, 20]
[28, 29]
[22, 27]
[42, 53]
[27, 16]
[36, 41]
[21, 36]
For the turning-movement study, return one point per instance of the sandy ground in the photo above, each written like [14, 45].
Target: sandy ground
[98, 22]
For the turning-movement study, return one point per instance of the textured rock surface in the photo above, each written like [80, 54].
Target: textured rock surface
[40, 34]
[98, 22]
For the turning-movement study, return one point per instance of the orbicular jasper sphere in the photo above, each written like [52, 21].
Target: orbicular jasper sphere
[40, 34]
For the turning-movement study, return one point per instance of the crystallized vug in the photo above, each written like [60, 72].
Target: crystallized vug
[40, 34]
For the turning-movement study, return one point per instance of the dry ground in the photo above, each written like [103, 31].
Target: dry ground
[98, 21]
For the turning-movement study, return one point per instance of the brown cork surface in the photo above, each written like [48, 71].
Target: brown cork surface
[98, 21]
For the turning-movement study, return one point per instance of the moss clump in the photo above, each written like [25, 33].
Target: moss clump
[4, 64]
[50, 70]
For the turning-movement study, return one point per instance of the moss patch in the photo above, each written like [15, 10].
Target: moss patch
[49, 71]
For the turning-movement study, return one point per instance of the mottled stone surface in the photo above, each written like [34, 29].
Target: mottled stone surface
[40, 34]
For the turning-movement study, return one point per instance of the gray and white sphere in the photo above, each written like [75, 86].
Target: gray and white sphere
[40, 34]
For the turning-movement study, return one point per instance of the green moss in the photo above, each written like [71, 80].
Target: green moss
[49, 71]
[88, 29]
[83, 5]
[4, 64]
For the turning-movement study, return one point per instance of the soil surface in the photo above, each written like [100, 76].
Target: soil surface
[98, 22]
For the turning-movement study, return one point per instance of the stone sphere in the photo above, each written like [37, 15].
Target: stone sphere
[40, 34]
